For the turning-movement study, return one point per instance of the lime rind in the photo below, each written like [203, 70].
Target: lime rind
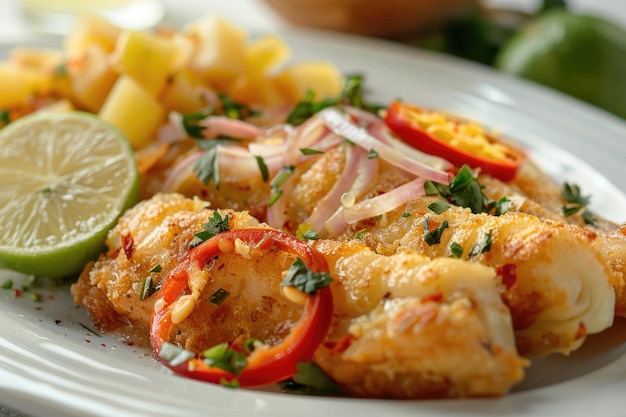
[65, 178]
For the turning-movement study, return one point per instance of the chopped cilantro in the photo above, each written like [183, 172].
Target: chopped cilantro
[456, 250]
[207, 168]
[359, 234]
[372, 154]
[5, 118]
[219, 296]
[571, 194]
[352, 94]
[302, 278]
[433, 237]
[263, 168]
[146, 288]
[578, 202]
[310, 379]
[156, 268]
[434, 188]
[481, 247]
[465, 191]
[191, 123]
[223, 357]
[279, 179]
[235, 110]
[309, 151]
[8, 284]
[216, 225]
[406, 214]
[439, 206]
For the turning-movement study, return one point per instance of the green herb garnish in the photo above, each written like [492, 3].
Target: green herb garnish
[309, 151]
[439, 206]
[5, 118]
[481, 247]
[571, 194]
[262, 167]
[223, 357]
[433, 237]
[310, 379]
[465, 191]
[279, 179]
[216, 225]
[302, 278]
[372, 154]
[8, 284]
[219, 296]
[456, 250]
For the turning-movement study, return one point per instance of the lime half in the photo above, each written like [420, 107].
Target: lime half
[65, 178]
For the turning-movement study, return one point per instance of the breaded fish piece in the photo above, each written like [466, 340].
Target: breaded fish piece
[410, 327]
[549, 273]
[407, 326]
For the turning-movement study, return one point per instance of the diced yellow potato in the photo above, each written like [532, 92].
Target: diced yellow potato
[18, 85]
[92, 79]
[219, 51]
[261, 91]
[90, 30]
[145, 57]
[265, 55]
[321, 77]
[183, 93]
[86, 79]
[133, 110]
[37, 59]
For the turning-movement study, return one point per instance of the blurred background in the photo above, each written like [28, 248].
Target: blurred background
[575, 46]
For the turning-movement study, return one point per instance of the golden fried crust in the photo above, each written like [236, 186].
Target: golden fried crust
[550, 275]
[411, 321]
[407, 326]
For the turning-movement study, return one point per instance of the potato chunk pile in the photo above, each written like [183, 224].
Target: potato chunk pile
[134, 79]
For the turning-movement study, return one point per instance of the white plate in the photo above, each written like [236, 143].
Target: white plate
[51, 365]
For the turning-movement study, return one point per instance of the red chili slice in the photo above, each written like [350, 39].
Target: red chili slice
[265, 365]
[401, 120]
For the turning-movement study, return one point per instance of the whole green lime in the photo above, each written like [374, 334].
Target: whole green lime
[580, 55]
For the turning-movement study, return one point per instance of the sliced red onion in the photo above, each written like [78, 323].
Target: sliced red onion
[381, 132]
[307, 135]
[272, 154]
[367, 177]
[384, 203]
[237, 163]
[225, 126]
[340, 125]
[180, 172]
[329, 204]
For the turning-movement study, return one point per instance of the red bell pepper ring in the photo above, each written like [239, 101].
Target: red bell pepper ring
[266, 365]
[400, 120]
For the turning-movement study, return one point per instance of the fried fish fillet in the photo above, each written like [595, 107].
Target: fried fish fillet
[415, 328]
[550, 275]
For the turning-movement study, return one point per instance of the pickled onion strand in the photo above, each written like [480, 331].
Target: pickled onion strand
[339, 124]
[385, 203]
[329, 204]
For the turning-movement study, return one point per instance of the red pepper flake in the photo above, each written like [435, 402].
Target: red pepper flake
[507, 273]
[38, 308]
[87, 340]
[17, 292]
[103, 344]
[129, 245]
[582, 331]
[435, 297]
